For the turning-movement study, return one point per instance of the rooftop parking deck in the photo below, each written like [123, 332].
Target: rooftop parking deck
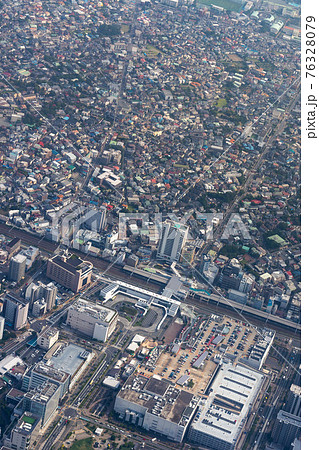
[197, 356]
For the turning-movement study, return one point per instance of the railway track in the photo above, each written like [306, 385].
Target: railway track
[116, 273]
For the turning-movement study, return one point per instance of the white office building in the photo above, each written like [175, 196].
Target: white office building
[46, 339]
[42, 401]
[173, 239]
[97, 322]
[24, 433]
[39, 290]
[42, 373]
[39, 308]
[260, 350]
[2, 320]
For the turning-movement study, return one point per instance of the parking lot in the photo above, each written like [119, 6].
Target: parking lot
[33, 355]
[199, 349]
[173, 367]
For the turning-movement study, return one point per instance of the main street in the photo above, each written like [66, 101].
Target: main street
[96, 377]
[57, 430]
[266, 423]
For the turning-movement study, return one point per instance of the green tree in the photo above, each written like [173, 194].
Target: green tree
[109, 30]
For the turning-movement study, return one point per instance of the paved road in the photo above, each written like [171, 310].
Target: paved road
[55, 434]
[131, 435]
[96, 376]
[14, 346]
[266, 422]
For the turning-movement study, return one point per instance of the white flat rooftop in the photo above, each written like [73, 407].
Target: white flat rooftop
[148, 293]
[96, 311]
[233, 393]
[68, 358]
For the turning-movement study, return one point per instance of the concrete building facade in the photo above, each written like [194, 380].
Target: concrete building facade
[287, 426]
[2, 321]
[286, 429]
[17, 267]
[24, 433]
[173, 239]
[13, 247]
[15, 312]
[48, 338]
[42, 401]
[95, 321]
[41, 374]
[39, 308]
[39, 290]
[156, 405]
[260, 350]
[71, 272]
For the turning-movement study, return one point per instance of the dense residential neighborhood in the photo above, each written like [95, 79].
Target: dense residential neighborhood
[150, 265]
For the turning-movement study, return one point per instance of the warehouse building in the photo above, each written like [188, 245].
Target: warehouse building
[220, 419]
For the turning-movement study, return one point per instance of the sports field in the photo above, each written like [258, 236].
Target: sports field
[226, 4]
